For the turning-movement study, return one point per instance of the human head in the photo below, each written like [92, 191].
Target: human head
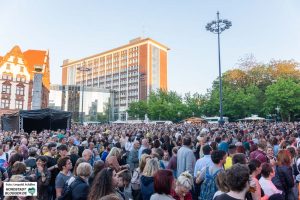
[18, 168]
[84, 170]
[32, 151]
[98, 166]
[44, 149]
[42, 160]
[221, 182]
[239, 158]
[64, 163]
[87, 155]
[115, 152]
[163, 181]
[174, 150]
[262, 144]
[255, 166]
[270, 151]
[284, 157]
[52, 148]
[231, 149]
[292, 151]
[74, 150]
[184, 183]
[104, 183]
[78, 161]
[157, 153]
[136, 144]
[267, 170]
[63, 150]
[152, 166]
[237, 178]
[145, 142]
[218, 156]
[187, 141]
[14, 158]
[124, 178]
[207, 150]
[143, 161]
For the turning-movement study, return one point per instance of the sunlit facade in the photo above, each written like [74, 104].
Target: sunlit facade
[132, 70]
[19, 73]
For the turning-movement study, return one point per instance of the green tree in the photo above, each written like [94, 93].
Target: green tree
[138, 109]
[284, 93]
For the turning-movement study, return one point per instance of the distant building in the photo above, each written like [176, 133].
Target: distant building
[17, 73]
[132, 70]
[97, 102]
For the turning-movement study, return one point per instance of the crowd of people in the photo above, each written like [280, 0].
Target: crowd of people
[250, 161]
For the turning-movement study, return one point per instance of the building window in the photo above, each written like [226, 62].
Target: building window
[21, 79]
[20, 91]
[19, 104]
[6, 76]
[8, 66]
[5, 103]
[21, 69]
[6, 89]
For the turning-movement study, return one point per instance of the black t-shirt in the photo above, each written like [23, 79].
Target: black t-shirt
[51, 162]
[224, 197]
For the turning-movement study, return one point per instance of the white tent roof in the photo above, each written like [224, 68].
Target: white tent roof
[253, 118]
[119, 122]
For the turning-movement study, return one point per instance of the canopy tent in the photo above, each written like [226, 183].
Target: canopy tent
[36, 120]
[119, 122]
[253, 118]
[195, 120]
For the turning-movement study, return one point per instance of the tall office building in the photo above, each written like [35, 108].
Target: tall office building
[131, 71]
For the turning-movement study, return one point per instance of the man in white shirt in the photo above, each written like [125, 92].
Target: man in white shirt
[267, 173]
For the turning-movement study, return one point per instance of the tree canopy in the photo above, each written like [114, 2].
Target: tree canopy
[251, 88]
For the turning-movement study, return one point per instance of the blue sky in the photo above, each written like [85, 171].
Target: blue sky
[268, 29]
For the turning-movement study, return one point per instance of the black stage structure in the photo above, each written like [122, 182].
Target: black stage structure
[38, 120]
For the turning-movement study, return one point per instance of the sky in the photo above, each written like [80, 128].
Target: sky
[268, 29]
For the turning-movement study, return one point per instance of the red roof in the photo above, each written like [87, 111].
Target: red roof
[34, 57]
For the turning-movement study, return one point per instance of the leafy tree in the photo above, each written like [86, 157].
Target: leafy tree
[284, 93]
[138, 109]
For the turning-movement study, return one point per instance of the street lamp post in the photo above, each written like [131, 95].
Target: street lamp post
[218, 27]
[277, 116]
[83, 69]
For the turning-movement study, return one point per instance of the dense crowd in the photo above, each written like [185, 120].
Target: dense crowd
[250, 161]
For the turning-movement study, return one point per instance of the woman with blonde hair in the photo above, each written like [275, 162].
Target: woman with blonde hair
[147, 178]
[74, 154]
[136, 177]
[113, 159]
[183, 186]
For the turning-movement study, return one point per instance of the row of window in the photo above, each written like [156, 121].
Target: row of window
[21, 68]
[6, 89]
[10, 77]
[5, 103]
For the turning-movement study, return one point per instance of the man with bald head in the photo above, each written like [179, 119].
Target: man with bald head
[145, 145]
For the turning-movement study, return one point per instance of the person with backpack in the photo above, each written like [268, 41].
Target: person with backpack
[208, 175]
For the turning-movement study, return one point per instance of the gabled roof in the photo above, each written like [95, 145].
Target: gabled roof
[34, 57]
